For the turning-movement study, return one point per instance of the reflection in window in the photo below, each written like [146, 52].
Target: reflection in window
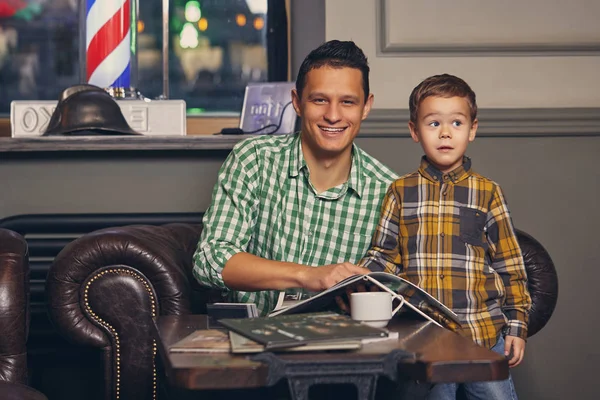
[216, 48]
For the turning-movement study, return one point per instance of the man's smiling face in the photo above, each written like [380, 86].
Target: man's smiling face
[332, 108]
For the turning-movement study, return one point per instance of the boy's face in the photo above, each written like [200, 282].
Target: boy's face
[444, 129]
[332, 108]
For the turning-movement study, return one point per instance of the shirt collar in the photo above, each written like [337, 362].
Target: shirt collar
[356, 180]
[428, 171]
[298, 163]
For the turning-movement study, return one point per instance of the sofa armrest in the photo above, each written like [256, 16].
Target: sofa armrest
[542, 281]
[105, 287]
[14, 307]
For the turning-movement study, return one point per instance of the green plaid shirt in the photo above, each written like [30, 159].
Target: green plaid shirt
[264, 204]
[452, 235]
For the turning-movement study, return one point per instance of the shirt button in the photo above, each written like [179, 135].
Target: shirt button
[445, 193]
[442, 234]
[445, 177]
[309, 233]
[442, 276]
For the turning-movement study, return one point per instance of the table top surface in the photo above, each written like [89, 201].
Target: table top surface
[440, 356]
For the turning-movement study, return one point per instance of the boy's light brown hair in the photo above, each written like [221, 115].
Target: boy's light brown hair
[444, 85]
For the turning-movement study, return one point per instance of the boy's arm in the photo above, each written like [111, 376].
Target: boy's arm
[384, 254]
[507, 261]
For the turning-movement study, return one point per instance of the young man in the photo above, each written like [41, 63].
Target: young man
[448, 230]
[297, 211]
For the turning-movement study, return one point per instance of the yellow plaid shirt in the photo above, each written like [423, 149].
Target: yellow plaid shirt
[452, 235]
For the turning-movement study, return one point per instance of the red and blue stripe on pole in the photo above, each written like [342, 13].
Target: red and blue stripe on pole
[108, 43]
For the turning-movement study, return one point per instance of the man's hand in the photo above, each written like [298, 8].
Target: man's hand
[317, 279]
[245, 271]
[517, 345]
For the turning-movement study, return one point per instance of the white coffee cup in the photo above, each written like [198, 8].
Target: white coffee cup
[374, 308]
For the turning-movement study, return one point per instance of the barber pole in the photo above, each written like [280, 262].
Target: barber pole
[108, 45]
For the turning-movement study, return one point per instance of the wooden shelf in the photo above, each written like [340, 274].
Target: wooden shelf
[119, 143]
[195, 126]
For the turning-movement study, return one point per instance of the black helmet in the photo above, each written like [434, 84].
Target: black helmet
[87, 110]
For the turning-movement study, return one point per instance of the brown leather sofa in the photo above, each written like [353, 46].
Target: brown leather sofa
[14, 318]
[104, 288]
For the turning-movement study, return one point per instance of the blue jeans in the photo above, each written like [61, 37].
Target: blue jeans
[489, 390]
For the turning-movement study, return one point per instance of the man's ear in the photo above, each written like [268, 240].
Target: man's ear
[473, 130]
[368, 105]
[296, 103]
[413, 131]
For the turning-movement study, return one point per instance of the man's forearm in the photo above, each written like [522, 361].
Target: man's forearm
[247, 272]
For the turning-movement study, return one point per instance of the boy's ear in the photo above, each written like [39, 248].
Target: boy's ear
[473, 131]
[413, 131]
[296, 102]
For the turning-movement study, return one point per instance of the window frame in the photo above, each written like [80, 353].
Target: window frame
[212, 122]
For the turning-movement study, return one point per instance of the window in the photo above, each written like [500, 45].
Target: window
[216, 48]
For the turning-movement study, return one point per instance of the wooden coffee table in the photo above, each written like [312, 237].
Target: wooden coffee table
[423, 352]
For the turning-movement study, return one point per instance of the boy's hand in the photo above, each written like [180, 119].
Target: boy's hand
[516, 346]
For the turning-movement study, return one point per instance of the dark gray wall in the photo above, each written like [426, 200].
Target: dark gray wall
[552, 186]
[551, 183]
[308, 29]
[107, 183]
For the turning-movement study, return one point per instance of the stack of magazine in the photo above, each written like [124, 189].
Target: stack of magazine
[295, 332]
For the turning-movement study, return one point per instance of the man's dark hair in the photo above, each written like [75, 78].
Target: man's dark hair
[334, 54]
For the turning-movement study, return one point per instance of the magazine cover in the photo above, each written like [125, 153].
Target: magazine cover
[203, 341]
[242, 345]
[301, 329]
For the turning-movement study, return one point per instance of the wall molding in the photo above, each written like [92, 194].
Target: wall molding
[381, 123]
[385, 47]
[499, 122]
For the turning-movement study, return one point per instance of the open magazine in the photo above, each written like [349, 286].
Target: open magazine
[415, 298]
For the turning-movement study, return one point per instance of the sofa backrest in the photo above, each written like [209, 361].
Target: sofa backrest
[14, 318]
[46, 235]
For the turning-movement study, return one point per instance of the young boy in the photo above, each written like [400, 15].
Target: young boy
[448, 230]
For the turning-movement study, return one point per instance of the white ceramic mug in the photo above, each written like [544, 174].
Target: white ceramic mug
[374, 308]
